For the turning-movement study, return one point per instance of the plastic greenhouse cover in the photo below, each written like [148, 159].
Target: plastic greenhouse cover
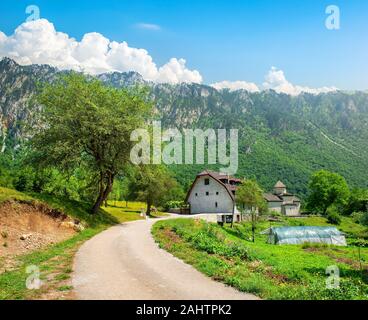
[298, 235]
[302, 232]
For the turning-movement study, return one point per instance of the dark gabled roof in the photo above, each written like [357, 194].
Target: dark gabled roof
[216, 176]
[296, 199]
[219, 176]
[270, 197]
[293, 196]
[290, 204]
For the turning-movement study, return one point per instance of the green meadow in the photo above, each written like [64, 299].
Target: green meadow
[269, 271]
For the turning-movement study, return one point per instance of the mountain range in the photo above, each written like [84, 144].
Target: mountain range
[281, 137]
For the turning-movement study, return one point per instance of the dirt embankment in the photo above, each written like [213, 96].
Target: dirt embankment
[27, 226]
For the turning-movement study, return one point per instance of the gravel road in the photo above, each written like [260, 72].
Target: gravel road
[124, 263]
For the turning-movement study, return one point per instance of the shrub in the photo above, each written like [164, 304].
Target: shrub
[173, 205]
[209, 239]
[296, 222]
[333, 216]
[307, 245]
[358, 243]
[364, 219]
[239, 231]
[357, 216]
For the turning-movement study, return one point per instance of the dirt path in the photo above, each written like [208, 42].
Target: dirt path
[124, 263]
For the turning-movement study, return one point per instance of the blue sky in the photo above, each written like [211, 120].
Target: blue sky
[224, 40]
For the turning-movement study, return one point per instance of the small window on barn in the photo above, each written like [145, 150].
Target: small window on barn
[207, 193]
[196, 194]
[206, 182]
[216, 205]
[217, 193]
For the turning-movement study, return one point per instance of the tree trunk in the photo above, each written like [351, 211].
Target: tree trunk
[109, 186]
[104, 193]
[253, 226]
[325, 211]
[149, 205]
[98, 203]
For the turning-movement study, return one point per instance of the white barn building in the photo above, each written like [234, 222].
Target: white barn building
[212, 192]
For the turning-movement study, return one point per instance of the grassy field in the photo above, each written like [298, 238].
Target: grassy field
[55, 262]
[269, 271]
[6, 194]
[125, 211]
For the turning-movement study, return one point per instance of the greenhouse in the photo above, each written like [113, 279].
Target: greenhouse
[300, 235]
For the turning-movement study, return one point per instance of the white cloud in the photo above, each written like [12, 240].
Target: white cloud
[148, 26]
[37, 42]
[175, 71]
[276, 80]
[236, 85]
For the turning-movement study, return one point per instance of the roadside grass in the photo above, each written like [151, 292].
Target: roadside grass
[8, 194]
[78, 210]
[268, 271]
[55, 262]
[74, 209]
[125, 211]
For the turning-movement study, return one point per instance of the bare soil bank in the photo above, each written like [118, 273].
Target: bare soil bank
[27, 226]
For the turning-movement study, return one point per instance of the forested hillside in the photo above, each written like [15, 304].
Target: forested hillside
[281, 137]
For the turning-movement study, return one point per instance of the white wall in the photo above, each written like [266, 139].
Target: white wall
[291, 211]
[279, 190]
[288, 199]
[207, 204]
[275, 206]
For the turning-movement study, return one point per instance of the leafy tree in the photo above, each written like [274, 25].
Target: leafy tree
[249, 196]
[357, 202]
[150, 184]
[364, 219]
[115, 194]
[6, 170]
[120, 190]
[333, 215]
[25, 180]
[326, 189]
[86, 123]
[76, 186]
[175, 193]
